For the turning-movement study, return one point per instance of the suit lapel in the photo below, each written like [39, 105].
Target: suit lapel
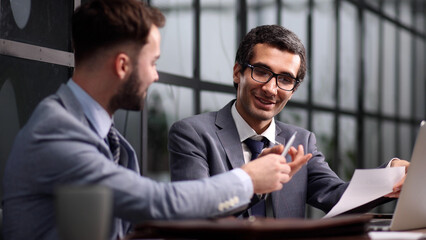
[130, 159]
[72, 106]
[279, 200]
[281, 137]
[228, 136]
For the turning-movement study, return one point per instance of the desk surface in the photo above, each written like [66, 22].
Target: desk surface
[346, 227]
[340, 228]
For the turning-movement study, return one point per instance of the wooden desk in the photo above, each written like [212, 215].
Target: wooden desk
[346, 228]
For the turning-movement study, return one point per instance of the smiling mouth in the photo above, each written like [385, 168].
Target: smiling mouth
[266, 102]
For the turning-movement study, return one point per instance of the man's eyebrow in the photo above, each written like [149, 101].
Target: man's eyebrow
[260, 64]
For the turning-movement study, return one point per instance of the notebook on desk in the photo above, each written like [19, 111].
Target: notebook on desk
[410, 211]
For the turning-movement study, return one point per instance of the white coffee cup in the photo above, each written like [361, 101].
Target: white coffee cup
[83, 212]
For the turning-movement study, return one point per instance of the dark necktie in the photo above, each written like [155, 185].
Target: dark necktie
[114, 144]
[256, 147]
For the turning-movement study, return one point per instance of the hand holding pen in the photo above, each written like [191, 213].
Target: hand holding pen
[289, 144]
[298, 156]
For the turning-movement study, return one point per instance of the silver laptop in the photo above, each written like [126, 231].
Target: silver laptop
[410, 211]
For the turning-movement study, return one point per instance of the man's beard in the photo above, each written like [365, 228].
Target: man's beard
[127, 97]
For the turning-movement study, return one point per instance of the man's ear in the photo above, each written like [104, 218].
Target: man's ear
[236, 74]
[122, 65]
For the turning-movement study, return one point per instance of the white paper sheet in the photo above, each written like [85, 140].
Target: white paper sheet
[367, 185]
[396, 235]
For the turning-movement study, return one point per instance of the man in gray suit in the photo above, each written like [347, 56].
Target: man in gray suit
[270, 65]
[70, 138]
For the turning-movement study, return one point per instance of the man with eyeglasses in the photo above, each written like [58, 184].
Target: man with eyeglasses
[270, 65]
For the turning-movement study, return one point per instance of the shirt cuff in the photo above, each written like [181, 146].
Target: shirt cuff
[245, 179]
[390, 162]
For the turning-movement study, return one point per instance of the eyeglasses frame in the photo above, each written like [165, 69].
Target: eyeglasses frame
[274, 75]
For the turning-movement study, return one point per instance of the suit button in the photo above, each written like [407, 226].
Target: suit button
[221, 207]
[228, 204]
[232, 201]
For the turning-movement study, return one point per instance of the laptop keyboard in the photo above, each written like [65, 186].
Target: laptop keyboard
[379, 225]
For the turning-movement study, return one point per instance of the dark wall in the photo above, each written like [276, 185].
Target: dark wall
[25, 82]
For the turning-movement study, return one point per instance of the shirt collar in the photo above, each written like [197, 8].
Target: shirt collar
[94, 112]
[245, 131]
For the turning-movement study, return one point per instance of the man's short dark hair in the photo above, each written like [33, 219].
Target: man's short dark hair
[100, 24]
[276, 36]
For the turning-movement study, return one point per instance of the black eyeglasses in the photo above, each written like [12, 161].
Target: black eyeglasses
[263, 75]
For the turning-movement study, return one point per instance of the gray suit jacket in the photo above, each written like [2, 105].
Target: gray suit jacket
[57, 146]
[208, 144]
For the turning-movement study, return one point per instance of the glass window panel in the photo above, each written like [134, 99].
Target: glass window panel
[405, 78]
[374, 3]
[324, 47]
[347, 147]
[419, 16]
[388, 88]
[40, 23]
[177, 37]
[405, 12]
[177, 102]
[405, 142]
[420, 75]
[372, 148]
[218, 40]
[294, 16]
[348, 76]
[323, 127]
[388, 141]
[371, 62]
[165, 105]
[261, 13]
[389, 8]
[371, 143]
[301, 93]
[294, 116]
[213, 101]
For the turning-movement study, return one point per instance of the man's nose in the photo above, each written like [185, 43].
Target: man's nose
[271, 86]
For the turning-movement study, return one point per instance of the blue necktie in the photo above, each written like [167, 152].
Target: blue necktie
[114, 144]
[256, 147]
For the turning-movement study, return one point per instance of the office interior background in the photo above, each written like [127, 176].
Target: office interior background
[364, 95]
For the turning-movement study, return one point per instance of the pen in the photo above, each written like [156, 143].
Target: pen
[289, 144]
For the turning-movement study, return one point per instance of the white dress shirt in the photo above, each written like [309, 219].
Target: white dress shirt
[95, 113]
[245, 131]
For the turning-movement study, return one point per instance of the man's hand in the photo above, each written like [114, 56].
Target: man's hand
[270, 170]
[397, 187]
[298, 159]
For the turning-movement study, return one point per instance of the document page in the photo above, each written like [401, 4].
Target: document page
[367, 185]
[396, 235]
